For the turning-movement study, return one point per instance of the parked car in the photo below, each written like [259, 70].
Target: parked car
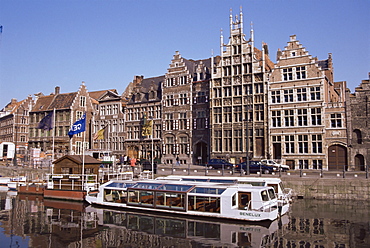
[254, 167]
[271, 162]
[217, 163]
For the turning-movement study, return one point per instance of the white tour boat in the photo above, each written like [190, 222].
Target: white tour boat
[203, 199]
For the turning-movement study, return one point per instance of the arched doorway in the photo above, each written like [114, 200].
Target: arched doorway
[200, 153]
[359, 162]
[337, 157]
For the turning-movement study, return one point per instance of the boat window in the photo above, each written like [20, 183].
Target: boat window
[174, 187]
[170, 200]
[252, 183]
[146, 197]
[274, 185]
[233, 200]
[201, 190]
[204, 204]
[119, 196]
[265, 196]
[272, 194]
[194, 180]
[222, 181]
[146, 185]
[119, 185]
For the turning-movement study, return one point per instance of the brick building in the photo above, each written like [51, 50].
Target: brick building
[307, 127]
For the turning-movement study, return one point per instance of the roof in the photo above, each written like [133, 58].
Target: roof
[78, 159]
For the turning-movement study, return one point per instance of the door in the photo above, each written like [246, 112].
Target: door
[337, 157]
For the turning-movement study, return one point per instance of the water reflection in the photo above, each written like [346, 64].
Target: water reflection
[31, 221]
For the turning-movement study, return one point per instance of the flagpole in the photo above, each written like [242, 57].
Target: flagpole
[83, 157]
[53, 155]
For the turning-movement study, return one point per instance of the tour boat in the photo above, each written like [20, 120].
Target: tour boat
[203, 199]
[11, 183]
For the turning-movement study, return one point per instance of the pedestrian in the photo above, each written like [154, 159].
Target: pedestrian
[125, 159]
[133, 164]
[177, 161]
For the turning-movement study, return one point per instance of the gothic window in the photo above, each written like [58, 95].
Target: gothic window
[228, 140]
[227, 114]
[237, 114]
[218, 115]
[238, 140]
[218, 140]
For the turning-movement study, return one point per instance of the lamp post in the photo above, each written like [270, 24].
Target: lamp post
[247, 134]
[15, 162]
[152, 133]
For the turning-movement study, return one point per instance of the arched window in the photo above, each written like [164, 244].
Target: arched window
[358, 136]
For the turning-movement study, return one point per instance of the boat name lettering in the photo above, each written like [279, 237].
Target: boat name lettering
[250, 214]
[250, 229]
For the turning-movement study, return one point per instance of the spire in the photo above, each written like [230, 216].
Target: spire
[231, 20]
[241, 19]
[221, 42]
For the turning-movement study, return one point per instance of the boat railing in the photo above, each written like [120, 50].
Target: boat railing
[85, 182]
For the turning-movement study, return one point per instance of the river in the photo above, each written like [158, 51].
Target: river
[32, 221]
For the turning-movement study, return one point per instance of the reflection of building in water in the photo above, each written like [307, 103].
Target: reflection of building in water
[153, 230]
[320, 227]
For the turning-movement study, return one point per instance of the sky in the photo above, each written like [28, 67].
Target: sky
[105, 43]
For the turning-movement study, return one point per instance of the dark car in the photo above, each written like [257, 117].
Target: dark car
[254, 167]
[218, 163]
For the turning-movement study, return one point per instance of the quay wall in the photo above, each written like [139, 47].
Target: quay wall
[329, 188]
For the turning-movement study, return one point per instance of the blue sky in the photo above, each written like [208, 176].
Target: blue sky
[106, 43]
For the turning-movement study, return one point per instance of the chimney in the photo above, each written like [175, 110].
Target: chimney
[57, 90]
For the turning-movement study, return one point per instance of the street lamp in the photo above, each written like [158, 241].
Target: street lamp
[152, 133]
[247, 134]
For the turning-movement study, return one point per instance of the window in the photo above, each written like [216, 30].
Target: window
[302, 95]
[300, 72]
[182, 121]
[317, 164]
[258, 88]
[218, 115]
[201, 97]
[259, 112]
[357, 136]
[275, 96]
[169, 100]
[228, 141]
[303, 164]
[316, 116]
[183, 99]
[317, 143]
[238, 90]
[82, 101]
[170, 145]
[289, 144]
[227, 114]
[288, 95]
[168, 121]
[238, 114]
[315, 93]
[238, 141]
[287, 74]
[289, 118]
[336, 120]
[303, 143]
[218, 141]
[276, 118]
[302, 117]
[184, 145]
[227, 91]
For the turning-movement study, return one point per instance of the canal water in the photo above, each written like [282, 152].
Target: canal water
[31, 221]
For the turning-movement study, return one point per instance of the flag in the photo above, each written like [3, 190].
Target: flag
[78, 127]
[47, 122]
[99, 135]
[147, 128]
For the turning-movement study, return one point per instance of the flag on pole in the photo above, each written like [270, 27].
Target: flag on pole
[99, 135]
[147, 128]
[78, 127]
[47, 122]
